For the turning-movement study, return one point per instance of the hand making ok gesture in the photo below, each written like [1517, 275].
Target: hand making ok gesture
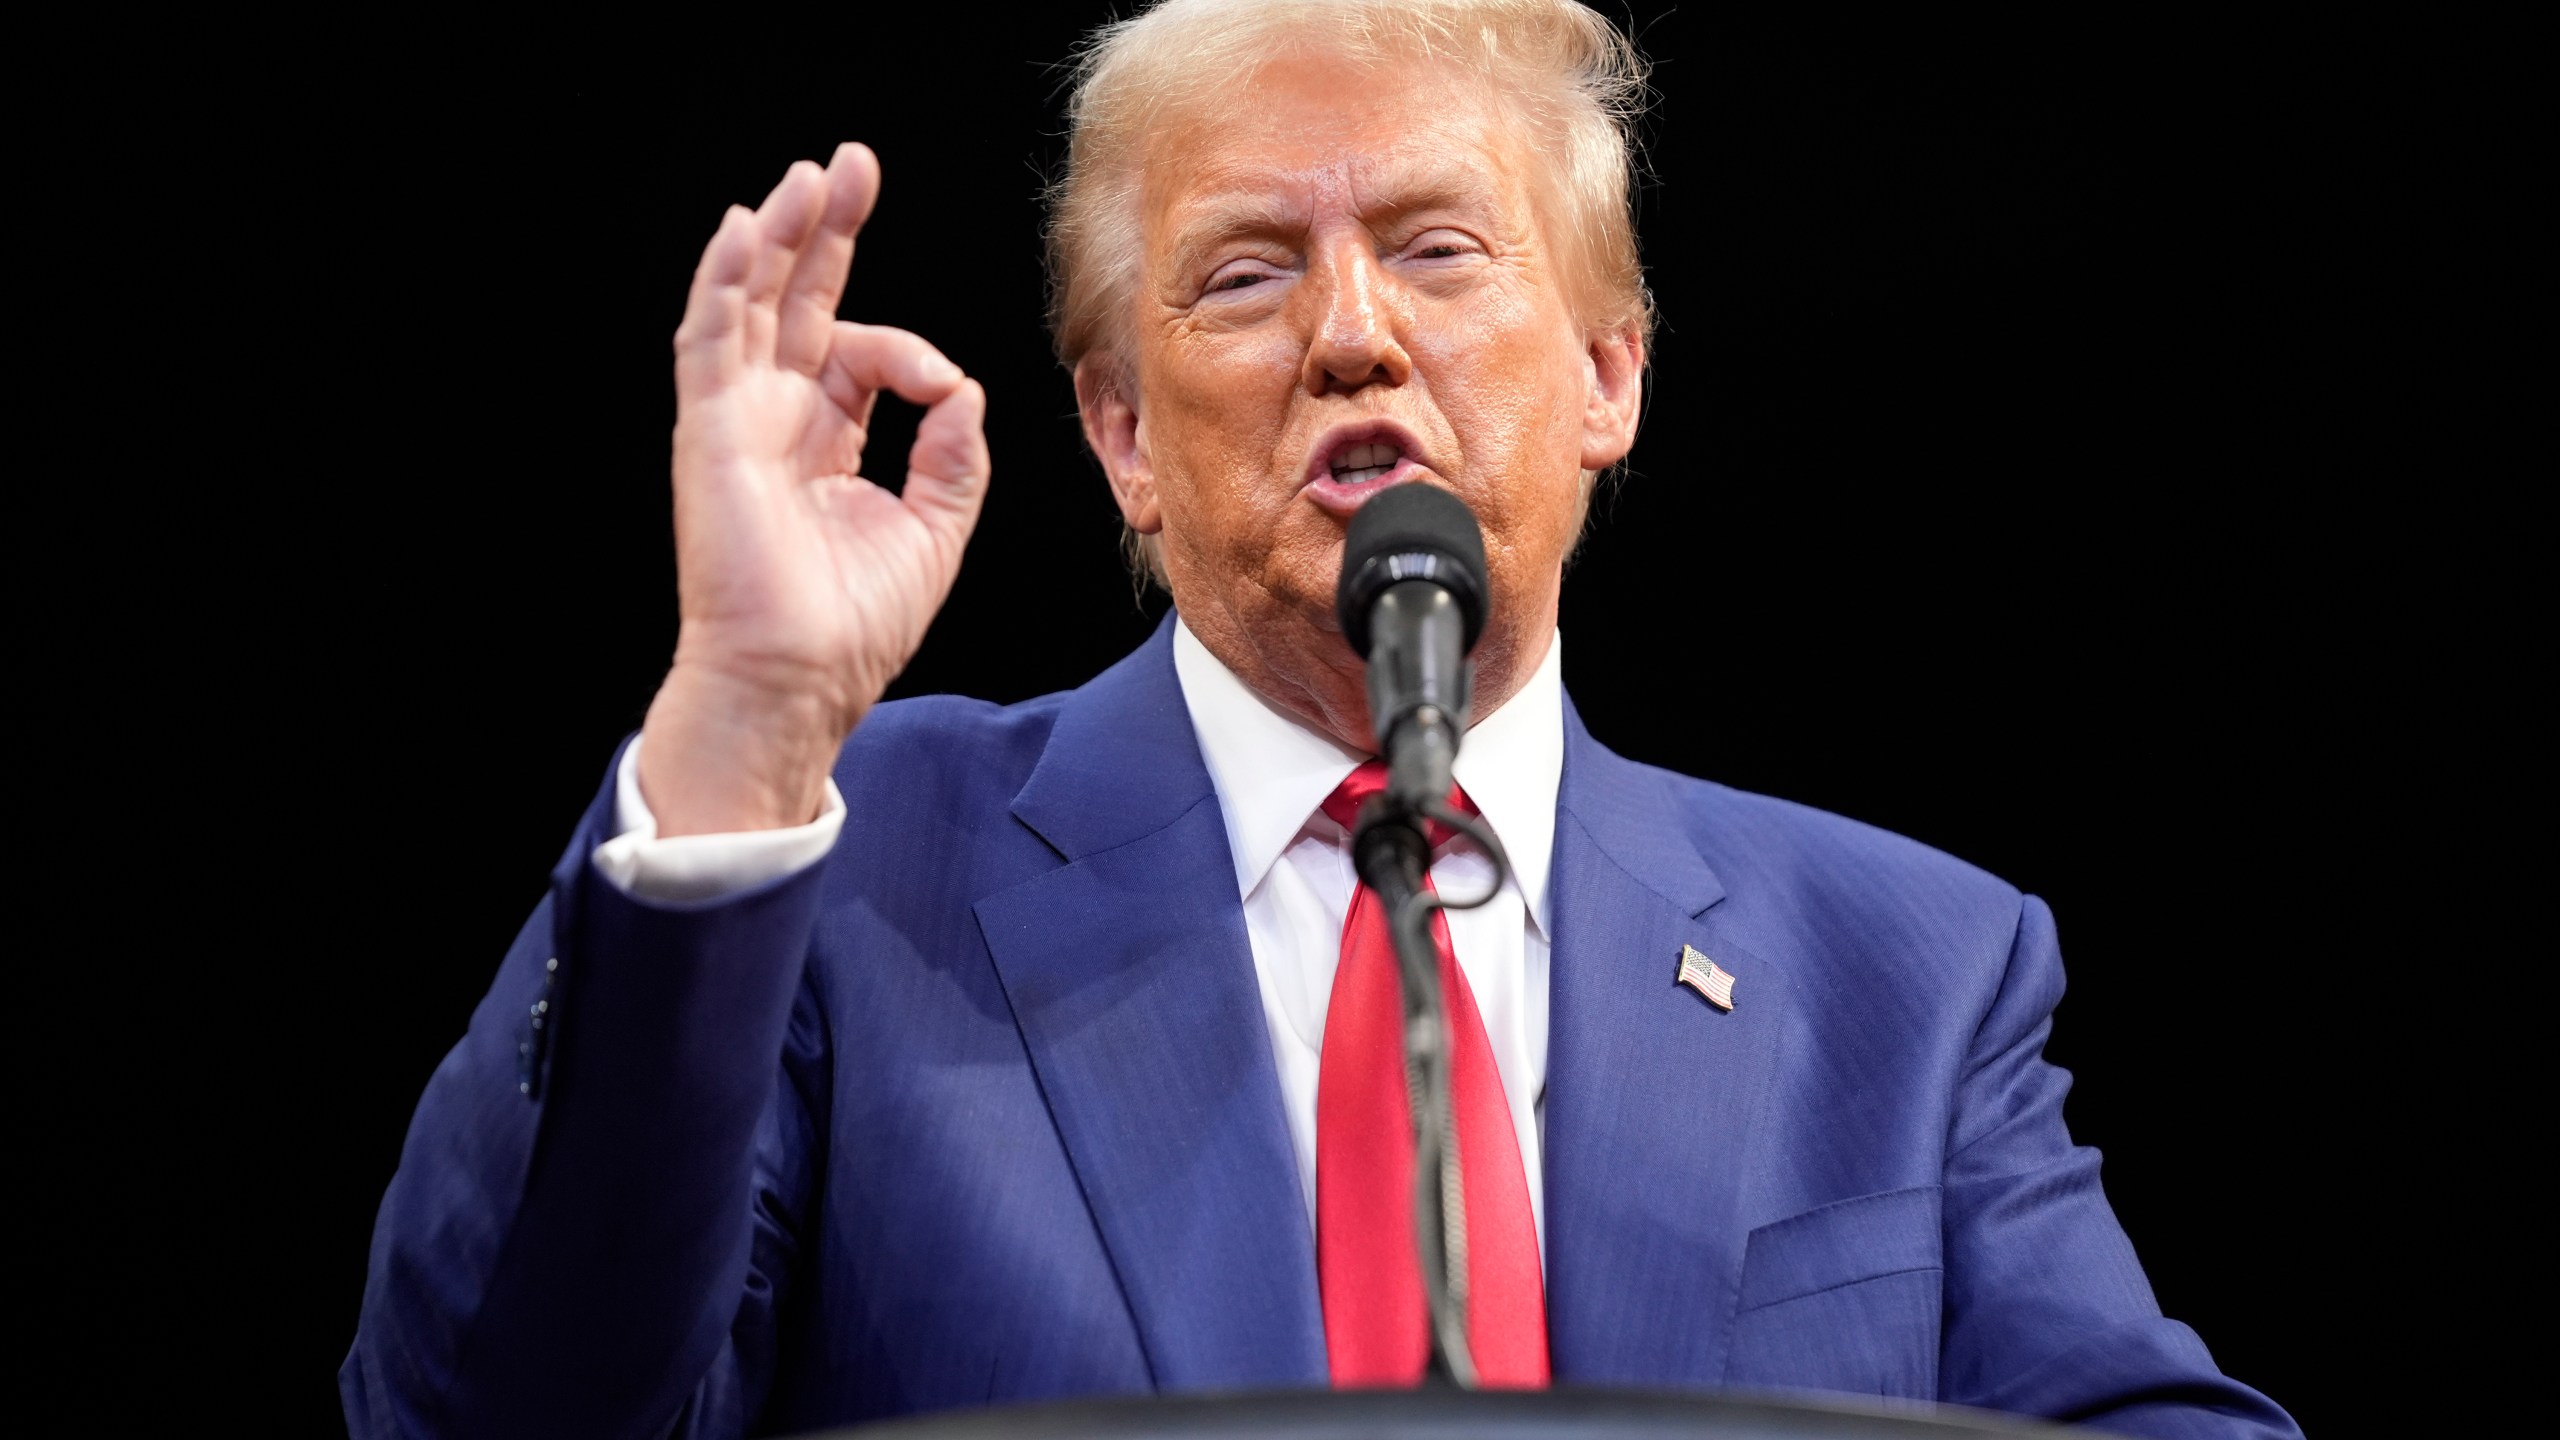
[804, 587]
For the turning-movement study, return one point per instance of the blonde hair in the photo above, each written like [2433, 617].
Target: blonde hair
[1579, 82]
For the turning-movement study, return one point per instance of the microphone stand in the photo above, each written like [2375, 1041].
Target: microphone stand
[1391, 849]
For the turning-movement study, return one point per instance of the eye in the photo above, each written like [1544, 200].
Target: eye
[1441, 244]
[1239, 274]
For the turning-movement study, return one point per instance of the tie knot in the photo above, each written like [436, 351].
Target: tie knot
[1347, 798]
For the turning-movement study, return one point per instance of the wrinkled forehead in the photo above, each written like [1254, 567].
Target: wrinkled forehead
[1312, 136]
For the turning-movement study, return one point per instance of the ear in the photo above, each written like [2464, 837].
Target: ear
[1107, 399]
[1614, 368]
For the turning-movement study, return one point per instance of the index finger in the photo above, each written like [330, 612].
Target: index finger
[867, 359]
[816, 287]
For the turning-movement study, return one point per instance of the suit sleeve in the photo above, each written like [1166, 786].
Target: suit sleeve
[593, 1215]
[2047, 1310]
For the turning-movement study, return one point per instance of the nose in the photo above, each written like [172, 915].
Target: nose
[1355, 340]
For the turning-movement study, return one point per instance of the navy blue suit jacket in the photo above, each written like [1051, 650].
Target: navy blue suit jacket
[983, 1109]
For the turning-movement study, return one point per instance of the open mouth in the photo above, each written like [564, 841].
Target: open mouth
[1353, 462]
[1360, 464]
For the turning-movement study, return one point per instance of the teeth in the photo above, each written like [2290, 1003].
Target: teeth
[1362, 463]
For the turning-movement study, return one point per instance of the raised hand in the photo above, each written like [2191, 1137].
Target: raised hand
[804, 587]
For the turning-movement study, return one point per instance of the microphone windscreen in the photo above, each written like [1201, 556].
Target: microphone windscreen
[1406, 532]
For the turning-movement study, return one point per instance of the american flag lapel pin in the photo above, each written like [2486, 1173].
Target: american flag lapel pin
[1705, 976]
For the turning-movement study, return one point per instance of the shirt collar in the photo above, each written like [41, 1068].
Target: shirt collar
[1511, 765]
[1272, 771]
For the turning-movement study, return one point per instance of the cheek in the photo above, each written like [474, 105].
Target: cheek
[1217, 411]
[1515, 402]
[1214, 410]
[1513, 361]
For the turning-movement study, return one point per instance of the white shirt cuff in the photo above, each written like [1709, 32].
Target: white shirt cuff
[693, 868]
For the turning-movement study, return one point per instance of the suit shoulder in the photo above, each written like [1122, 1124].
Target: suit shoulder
[1845, 876]
[947, 750]
[1793, 828]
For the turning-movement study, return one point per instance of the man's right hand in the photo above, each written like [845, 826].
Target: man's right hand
[804, 588]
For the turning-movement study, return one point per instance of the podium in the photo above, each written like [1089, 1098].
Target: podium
[1449, 1414]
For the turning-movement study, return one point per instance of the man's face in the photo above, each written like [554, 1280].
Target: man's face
[1346, 285]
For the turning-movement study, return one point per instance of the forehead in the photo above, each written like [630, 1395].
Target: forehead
[1312, 134]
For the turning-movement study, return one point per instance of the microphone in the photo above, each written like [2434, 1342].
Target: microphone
[1412, 601]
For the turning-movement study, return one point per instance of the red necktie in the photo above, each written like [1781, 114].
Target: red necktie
[1376, 1331]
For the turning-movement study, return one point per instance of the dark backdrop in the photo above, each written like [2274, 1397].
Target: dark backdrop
[2068, 444]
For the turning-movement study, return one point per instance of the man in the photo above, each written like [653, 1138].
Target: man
[866, 1059]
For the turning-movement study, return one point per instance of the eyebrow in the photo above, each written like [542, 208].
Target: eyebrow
[1244, 208]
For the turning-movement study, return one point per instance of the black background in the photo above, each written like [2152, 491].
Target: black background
[2073, 442]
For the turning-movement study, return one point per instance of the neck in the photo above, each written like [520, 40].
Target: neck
[1311, 675]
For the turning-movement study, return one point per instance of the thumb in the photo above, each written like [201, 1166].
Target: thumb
[947, 467]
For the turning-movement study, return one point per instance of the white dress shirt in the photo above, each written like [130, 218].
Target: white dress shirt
[1293, 874]
[1293, 868]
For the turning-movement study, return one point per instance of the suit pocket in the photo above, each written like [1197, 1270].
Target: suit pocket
[1844, 1297]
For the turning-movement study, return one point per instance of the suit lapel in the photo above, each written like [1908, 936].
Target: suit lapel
[1653, 1096]
[1132, 981]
